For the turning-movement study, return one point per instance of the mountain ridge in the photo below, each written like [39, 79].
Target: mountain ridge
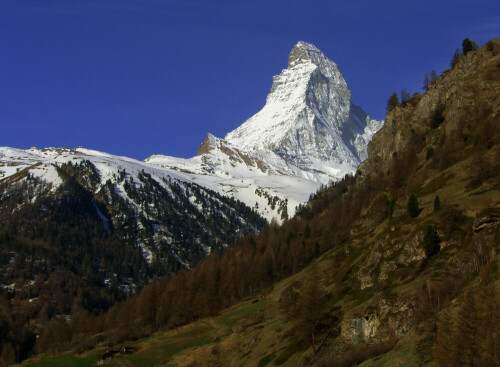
[308, 130]
[308, 134]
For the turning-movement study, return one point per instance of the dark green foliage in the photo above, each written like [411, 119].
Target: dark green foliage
[468, 45]
[390, 207]
[392, 102]
[60, 243]
[413, 208]
[437, 203]
[283, 209]
[266, 360]
[307, 231]
[273, 202]
[170, 210]
[63, 234]
[431, 241]
[437, 118]
[429, 153]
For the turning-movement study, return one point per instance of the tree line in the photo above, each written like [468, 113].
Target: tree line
[429, 78]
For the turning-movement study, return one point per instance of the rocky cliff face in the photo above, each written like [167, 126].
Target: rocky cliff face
[456, 93]
[467, 97]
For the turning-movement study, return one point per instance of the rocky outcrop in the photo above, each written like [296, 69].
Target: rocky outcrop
[361, 329]
[207, 145]
[387, 256]
[454, 93]
[486, 221]
[380, 319]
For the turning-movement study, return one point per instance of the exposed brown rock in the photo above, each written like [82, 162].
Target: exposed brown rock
[485, 222]
[476, 77]
[206, 146]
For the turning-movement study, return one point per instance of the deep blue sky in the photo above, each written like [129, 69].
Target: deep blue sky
[138, 77]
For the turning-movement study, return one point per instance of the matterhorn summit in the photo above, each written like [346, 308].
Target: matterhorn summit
[308, 134]
[309, 119]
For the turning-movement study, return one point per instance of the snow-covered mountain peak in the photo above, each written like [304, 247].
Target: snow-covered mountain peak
[309, 119]
[304, 52]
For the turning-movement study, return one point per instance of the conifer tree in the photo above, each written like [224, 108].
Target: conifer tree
[467, 331]
[468, 45]
[405, 95]
[456, 57]
[310, 304]
[437, 118]
[445, 352]
[429, 79]
[413, 208]
[437, 203]
[427, 82]
[392, 102]
[433, 76]
[431, 241]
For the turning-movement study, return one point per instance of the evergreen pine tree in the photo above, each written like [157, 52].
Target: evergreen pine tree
[433, 76]
[413, 209]
[437, 203]
[405, 95]
[456, 57]
[437, 118]
[431, 241]
[426, 82]
[390, 203]
[392, 102]
[468, 45]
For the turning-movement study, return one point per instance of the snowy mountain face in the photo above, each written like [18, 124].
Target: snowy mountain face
[262, 180]
[309, 119]
[308, 134]
[167, 221]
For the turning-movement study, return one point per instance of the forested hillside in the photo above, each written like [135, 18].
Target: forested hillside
[396, 265]
[85, 244]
